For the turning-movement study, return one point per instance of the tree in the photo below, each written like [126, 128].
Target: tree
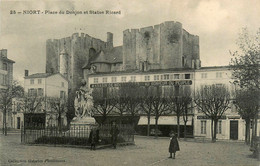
[247, 102]
[146, 105]
[59, 105]
[133, 99]
[179, 104]
[245, 64]
[104, 102]
[159, 106]
[213, 101]
[6, 96]
[121, 102]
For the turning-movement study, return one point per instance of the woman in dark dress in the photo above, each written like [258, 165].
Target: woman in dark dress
[174, 145]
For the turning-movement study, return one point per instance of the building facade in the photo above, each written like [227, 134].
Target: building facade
[6, 78]
[45, 87]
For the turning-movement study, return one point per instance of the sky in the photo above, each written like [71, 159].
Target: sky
[216, 22]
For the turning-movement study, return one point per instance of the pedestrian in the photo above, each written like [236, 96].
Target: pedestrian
[93, 138]
[174, 145]
[114, 133]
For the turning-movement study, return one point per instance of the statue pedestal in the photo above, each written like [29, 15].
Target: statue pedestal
[80, 127]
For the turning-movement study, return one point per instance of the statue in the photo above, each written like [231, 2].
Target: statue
[83, 102]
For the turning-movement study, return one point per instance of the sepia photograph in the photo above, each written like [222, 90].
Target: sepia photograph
[130, 82]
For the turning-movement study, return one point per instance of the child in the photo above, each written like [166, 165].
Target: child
[174, 145]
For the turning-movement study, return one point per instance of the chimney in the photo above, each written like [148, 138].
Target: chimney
[26, 73]
[3, 53]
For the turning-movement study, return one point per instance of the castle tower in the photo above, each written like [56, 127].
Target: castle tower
[64, 63]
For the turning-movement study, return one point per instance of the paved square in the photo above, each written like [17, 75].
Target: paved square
[147, 151]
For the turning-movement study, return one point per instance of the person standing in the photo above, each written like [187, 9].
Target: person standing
[174, 145]
[114, 133]
[93, 138]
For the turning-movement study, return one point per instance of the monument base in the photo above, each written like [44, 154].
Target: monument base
[81, 127]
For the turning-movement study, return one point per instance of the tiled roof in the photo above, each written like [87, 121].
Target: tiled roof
[40, 75]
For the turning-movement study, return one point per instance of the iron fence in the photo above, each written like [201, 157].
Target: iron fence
[75, 134]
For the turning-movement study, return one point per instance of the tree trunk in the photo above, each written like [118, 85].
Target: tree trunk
[4, 123]
[247, 132]
[212, 139]
[156, 126]
[215, 130]
[178, 126]
[256, 117]
[253, 133]
[148, 124]
[185, 130]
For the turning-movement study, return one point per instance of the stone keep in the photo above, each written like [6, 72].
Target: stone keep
[69, 54]
[162, 46]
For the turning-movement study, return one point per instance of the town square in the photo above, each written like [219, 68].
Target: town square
[111, 83]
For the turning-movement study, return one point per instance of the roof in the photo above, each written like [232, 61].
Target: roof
[6, 59]
[115, 55]
[43, 75]
[39, 75]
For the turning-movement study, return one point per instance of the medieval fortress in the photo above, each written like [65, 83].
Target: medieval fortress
[163, 46]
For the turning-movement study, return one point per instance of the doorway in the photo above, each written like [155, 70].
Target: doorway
[18, 122]
[234, 129]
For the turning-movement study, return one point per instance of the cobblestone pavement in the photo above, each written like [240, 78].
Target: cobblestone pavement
[146, 152]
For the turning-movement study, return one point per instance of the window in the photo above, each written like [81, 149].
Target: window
[204, 75]
[39, 81]
[187, 76]
[156, 77]
[62, 94]
[176, 76]
[95, 80]
[203, 127]
[5, 79]
[32, 81]
[32, 92]
[113, 79]
[146, 78]
[133, 78]
[62, 84]
[5, 66]
[166, 76]
[104, 80]
[219, 129]
[40, 92]
[123, 79]
[218, 75]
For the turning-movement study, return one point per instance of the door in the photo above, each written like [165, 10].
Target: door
[18, 122]
[234, 129]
